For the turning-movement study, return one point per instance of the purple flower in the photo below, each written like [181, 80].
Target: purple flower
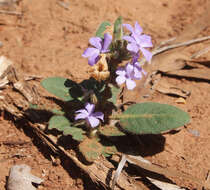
[138, 70]
[128, 74]
[99, 46]
[91, 117]
[138, 41]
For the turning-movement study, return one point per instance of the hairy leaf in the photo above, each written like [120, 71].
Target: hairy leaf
[118, 31]
[114, 93]
[91, 149]
[109, 150]
[76, 133]
[152, 118]
[109, 131]
[102, 28]
[63, 88]
[59, 122]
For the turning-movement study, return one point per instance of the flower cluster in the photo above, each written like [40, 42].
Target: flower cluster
[97, 58]
[91, 117]
[99, 46]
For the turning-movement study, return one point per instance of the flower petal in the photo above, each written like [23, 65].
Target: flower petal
[81, 116]
[133, 47]
[92, 121]
[90, 52]
[129, 39]
[137, 74]
[107, 42]
[135, 58]
[93, 59]
[130, 84]
[136, 37]
[120, 80]
[145, 41]
[98, 115]
[147, 54]
[129, 69]
[96, 42]
[82, 111]
[89, 107]
[129, 27]
[138, 29]
[121, 71]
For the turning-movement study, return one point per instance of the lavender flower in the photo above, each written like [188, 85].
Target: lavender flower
[91, 117]
[128, 74]
[138, 41]
[137, 71]
[99, 46]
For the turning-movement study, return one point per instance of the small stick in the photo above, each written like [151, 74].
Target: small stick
[63, 4]
[14, 143]
[173, 46]
[118, 171]
[10, 12]
[187, 43]
[201, 52]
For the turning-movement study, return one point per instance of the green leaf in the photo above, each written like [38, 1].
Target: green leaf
[44, 107]
[102, 28]
[152, 118]
[63, 88]
[75, 132]
[118, 31]
[109, 150]
[91, 149]
[110, 131]
[59, 122]
[56, 111]
[114, 93]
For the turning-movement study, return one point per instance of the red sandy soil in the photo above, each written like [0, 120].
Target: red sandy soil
[48, 40]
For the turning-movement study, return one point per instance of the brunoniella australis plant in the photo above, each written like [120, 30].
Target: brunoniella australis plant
[114, 57]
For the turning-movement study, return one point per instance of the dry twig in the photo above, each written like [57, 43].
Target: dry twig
[11, 12]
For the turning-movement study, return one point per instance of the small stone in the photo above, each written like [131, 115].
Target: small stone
[20, 178]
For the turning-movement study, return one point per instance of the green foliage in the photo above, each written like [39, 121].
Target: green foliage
[76, 133]
[92, 149]
[102, 28]
[118, 31]
[114, 93]
[62, 88]
[109, 150]
[152, 118]
[110, 131]
[59, 122]
[62, 124]
[68, 90]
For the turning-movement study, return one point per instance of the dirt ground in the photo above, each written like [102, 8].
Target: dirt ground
[48, 40]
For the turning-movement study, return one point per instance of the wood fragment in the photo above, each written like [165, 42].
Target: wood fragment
[196, 73]
[118, 171]
[186, 43]
[99, 171]
[63, 4]
[11, 13]
[200, 53]
[141, 162]
[14, 143]
[163, 86]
